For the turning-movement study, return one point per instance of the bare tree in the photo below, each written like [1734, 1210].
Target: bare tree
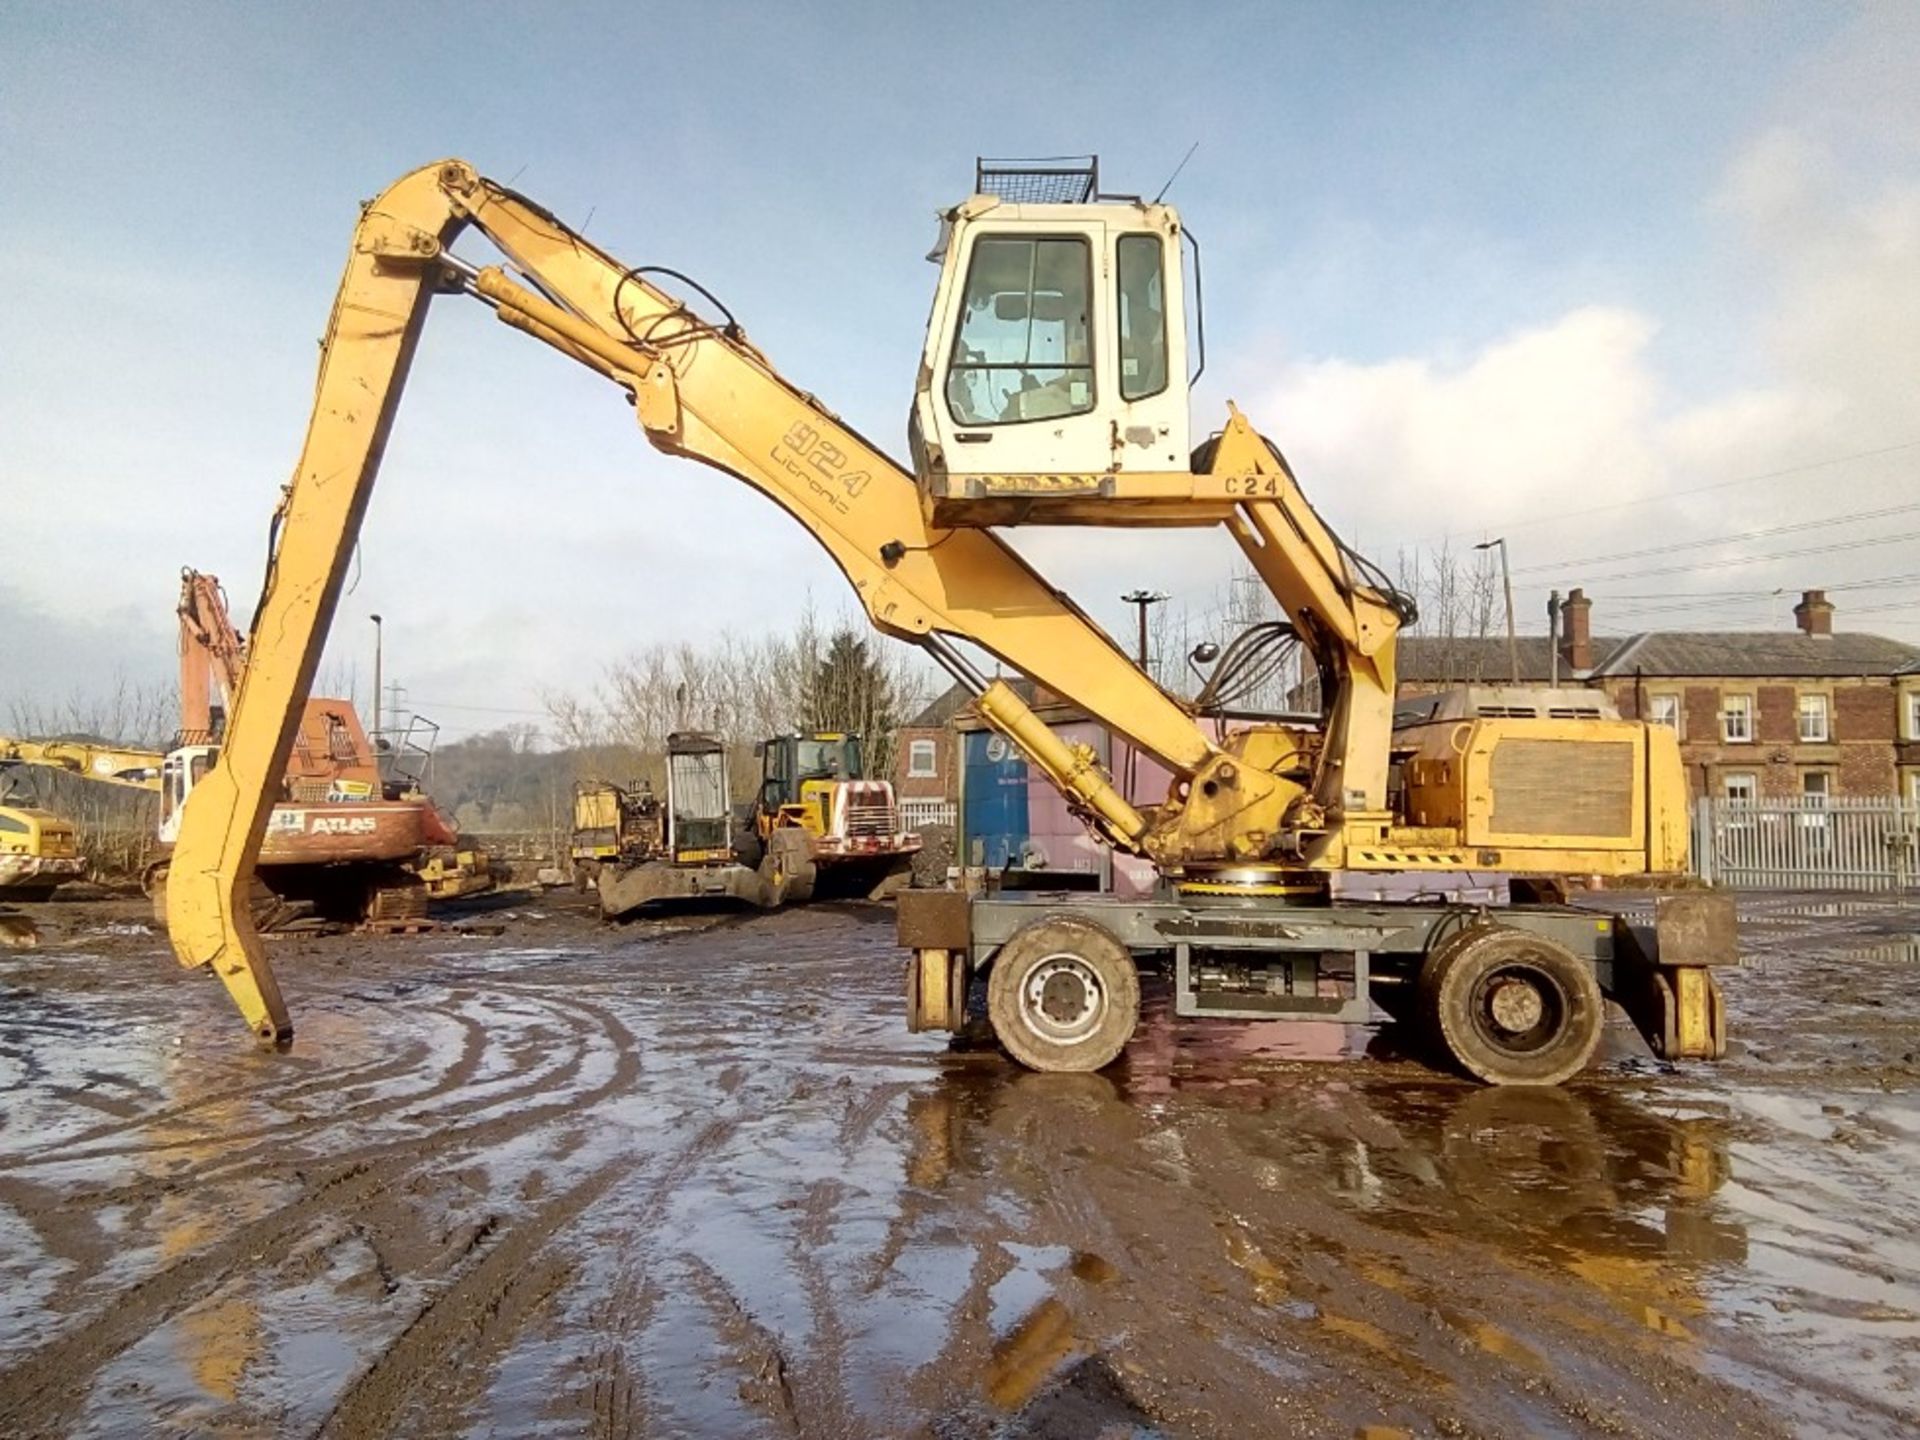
[741, 688]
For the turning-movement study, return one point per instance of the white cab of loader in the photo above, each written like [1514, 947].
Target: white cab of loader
[1058, 340]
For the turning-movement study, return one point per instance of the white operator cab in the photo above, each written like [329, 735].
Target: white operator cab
[179, 773]
[1057, 347]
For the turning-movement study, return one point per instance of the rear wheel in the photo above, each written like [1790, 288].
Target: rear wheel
[1510, 1007]
[1063, 995]
[787, 869]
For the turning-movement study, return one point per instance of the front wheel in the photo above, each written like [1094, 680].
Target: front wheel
[1511, 1007]
[1063, 995]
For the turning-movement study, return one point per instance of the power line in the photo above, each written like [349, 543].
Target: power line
[1879, 582]
[1733, 562]
[1690, 490]
[435, 705]
[1824, 522]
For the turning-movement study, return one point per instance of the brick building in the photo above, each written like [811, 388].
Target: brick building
[926, 754]
[925, 760]
[1760, 714]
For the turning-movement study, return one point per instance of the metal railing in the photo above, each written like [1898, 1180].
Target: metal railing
[1808, 842]
[917, 815]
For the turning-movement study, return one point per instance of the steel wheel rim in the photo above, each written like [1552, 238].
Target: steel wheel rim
[1519, 1007]
[1063, 999]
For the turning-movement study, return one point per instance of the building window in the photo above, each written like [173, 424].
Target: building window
[1739, 786]
[1664, 710]
[923, 760]
[1913, 715]
[1736, 719]
[1816, 784]
[1814, 729]
[1913, 787]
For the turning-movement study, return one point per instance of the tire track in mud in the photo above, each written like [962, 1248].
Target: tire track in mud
[431, 1373]
[476, 1039]
[39, 1390]
[491, 1115]
[42, 1388]
[615, 1398]
[69, 1149]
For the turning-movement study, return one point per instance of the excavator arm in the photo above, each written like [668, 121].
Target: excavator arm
[212, 656]
[700, 390]
[109, 764]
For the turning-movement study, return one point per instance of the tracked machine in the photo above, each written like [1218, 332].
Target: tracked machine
[1052, 390]
[687, 847]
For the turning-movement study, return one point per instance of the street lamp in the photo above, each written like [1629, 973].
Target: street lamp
[376, 680]
[1142, 599]
[1506, 581]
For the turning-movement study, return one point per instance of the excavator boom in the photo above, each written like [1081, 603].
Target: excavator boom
[109, 764]
[701, 391]
[212, 657]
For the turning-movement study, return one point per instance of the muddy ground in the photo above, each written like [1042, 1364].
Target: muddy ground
[694, 1178]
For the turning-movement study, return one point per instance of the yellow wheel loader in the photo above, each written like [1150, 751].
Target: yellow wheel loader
[817, 784]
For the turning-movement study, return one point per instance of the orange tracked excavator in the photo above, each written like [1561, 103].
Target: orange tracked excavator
[341, 841]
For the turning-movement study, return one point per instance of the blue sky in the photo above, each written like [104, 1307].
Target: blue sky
[1468, 264]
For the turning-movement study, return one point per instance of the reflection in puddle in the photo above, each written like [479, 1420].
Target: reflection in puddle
[1092, 1268]
[1029, 1354]
[1900, 950]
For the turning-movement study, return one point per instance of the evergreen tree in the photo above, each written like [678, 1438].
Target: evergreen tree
[850, 690]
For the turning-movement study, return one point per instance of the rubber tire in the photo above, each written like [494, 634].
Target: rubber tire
[1100, 952]
[748, 848]
[787, 868]
[1455, 968]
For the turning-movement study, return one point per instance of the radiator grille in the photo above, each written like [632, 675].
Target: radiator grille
[871, 820]
[1563, 787]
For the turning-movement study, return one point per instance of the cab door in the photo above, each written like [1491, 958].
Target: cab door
[1021, 385]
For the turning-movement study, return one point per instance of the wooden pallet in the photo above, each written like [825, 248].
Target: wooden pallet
[417, 925]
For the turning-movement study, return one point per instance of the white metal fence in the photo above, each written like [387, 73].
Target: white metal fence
[918, 814]
[1809, 842]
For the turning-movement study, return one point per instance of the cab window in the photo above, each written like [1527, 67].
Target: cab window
[1143, 317]
[1024, 350]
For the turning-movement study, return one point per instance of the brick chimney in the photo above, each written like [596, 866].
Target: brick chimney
[1576, 632]
[1814, 613]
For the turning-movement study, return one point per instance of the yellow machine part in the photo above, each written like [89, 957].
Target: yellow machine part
[596, 809]
[1583, 796]
[26, 830]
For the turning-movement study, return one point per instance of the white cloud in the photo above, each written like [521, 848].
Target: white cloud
[1576, 412]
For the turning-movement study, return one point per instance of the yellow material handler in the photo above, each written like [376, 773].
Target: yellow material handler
[1053, 389]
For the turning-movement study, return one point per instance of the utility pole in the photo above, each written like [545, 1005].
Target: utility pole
[1553, 638]
[376, 681]
[1140, 600]
[1506, 582]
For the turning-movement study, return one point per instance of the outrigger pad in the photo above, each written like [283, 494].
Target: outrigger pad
[934, 919]
[1696, 927]
[1663, 975]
